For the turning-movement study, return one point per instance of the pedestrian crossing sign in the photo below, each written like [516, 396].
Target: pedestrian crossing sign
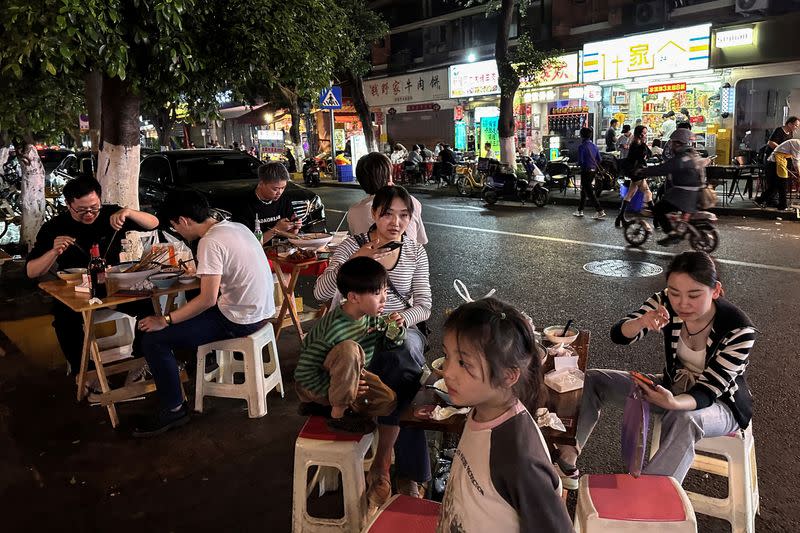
[331, 98]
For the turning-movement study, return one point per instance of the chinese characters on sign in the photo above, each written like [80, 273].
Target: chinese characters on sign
[563, 71]
[410, 88]
[666, 88]
[476, 79]
[664, 52]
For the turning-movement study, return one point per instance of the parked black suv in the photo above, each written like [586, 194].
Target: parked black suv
[223, 176]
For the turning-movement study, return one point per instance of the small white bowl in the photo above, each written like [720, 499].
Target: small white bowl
[163, 281]
[313, 241]
[553, 334]
[187, 279]
[71, 275]
[438, 365]
[441, 391]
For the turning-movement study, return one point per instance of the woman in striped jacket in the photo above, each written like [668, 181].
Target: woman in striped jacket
[409, 295]
[702, 392]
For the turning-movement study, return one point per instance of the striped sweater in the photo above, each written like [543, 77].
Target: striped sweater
[727, 351]
[329, 331]
[410, 276]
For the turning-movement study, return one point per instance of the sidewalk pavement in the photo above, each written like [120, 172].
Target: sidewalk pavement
[739, 207]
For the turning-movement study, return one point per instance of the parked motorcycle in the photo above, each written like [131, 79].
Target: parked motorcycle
[502, 184]
[311, 172]
[699, 228]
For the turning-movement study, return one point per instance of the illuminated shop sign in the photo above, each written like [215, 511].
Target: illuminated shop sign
[481, 78]
[666, 88]
[409, 88]
[664, 52]
[738, 37]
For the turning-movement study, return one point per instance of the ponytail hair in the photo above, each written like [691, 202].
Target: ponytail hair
[505, 337]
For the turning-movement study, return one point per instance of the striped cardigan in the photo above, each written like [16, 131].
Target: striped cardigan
[727, 351]
[410, 276]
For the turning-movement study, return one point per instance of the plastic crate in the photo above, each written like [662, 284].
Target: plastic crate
[636, 203]
[345, 173]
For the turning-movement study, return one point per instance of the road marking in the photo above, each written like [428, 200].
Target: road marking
[454, 207]
[334, 210]
[608, 246]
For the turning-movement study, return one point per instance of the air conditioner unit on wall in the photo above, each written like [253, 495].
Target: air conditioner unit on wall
[649, 13]
[752, 6]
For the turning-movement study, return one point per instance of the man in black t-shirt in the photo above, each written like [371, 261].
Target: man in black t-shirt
[265, 206]
[780, 135]
[65, 241]
[611, 136]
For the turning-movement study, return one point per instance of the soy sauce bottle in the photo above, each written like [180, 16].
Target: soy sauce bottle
[97, 273]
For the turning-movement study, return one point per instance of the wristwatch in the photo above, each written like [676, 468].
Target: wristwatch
[168, 319]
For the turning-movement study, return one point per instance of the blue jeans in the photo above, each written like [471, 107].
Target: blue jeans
[210, 325]
[680, 430]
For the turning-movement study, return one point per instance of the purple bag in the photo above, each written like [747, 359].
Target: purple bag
[635, 422]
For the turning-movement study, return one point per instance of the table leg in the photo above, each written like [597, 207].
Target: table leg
[88, 339]
[292, 304]
[285, 305]
[101, 377]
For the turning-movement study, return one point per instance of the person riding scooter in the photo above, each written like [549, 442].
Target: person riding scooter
[684, 183]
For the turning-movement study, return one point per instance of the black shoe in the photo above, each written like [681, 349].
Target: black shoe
[314, 409]
[619, 222]
[352, 423]
[669, 240]
[162, 422]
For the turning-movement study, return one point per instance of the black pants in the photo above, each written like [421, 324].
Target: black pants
[587, 190]
[772, 186]
[660, 212]
[69, 329]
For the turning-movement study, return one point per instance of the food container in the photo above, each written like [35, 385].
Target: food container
[163, 280]
[118, 279]
[71, 275]
[440, 388]
[564, 380]
[312, 241]
[553, 334]
[187, 279]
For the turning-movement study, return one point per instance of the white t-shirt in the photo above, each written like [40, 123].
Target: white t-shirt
[229, 249]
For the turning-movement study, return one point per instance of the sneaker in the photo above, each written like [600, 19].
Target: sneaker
[162, 422]
[140, 374]
[569, 475]
[577, 214]
[601, 215]
[352, 423]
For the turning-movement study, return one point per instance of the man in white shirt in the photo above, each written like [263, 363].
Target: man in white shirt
[669, 125]
[235, 300]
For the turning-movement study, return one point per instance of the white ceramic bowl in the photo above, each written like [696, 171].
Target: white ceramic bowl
[438, 365]
[71, 275]
[125, 280]
[164, 280]
[441, 391]
[187, 279]
[553, 334]
[313, 241]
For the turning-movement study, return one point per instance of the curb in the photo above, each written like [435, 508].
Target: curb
[605, 202]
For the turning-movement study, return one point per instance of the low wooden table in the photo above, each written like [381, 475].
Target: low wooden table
[79, 302]
[566, 404]
[289, 307]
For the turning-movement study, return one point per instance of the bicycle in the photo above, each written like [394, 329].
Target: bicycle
[465, 181]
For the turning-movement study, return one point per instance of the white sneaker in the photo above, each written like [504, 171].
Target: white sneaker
[601, 215]
[577, 214]
[568, 481]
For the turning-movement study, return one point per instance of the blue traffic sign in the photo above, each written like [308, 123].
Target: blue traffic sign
[331, 98]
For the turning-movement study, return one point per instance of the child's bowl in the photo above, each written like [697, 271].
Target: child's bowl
[187, 279]
[163, 281]
[440, 388]
[553, 334]
[438, 365]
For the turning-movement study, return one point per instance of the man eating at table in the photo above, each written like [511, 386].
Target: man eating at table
[235, 300]
[65, 241]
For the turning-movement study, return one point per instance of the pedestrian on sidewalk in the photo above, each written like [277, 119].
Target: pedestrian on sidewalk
[638, 153]
[624, 141]
[589, 161]
[611, 135]
[235, 300]
[702, 391]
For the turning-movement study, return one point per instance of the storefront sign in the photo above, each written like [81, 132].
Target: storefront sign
[473, 79]
[461, 136]
[458, 113]
[664, 52]
[410, 88]
[592, 93]
[490, 134]
[738, 37]
[666, 88]
[564, 70]
[379, 119]
[700, 119]
[424, 107]
[539, 96]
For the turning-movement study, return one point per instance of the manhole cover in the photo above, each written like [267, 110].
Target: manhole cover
[616, 268]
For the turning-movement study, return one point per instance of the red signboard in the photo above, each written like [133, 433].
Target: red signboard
[666, 88]
[379, 118]
[458, 113]
[423, 107]
[697, 120]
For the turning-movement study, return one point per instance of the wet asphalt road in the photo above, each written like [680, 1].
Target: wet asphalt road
[534, 258]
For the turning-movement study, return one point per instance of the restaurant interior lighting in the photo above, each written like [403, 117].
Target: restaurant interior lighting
[471, 57]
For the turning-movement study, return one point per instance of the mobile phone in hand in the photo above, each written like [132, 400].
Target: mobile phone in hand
[393, 245]
[643, 379]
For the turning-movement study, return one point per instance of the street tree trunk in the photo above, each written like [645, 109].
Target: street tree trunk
[32, 194]
[118, 163]
[509, 83]
[362, 108]
[93, 82]
[3, 148]
[294, 130]
[165, 121]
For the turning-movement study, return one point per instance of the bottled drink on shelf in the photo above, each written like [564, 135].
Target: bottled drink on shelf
[97, 273]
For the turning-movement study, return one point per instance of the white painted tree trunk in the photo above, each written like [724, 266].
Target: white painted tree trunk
[3, 156]
[31, 196]
[118, 174]
[299, 155]
[508, 153]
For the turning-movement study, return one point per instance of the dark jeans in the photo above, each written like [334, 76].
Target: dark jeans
[69, 329]
[772, 187]
[660, 212]
[401, 370]
[587, 190]
[210, 325]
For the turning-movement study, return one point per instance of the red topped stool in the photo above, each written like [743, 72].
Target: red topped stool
[622, 503]
[404, 514]
[318, 446]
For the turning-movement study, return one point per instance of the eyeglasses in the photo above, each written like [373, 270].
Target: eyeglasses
[83, 211]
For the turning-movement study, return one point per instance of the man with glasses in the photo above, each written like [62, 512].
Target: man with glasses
[65, 241]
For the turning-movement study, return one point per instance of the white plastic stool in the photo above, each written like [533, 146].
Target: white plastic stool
[318, 446]
[622, 503]
[260, 376]
[739, 508]
[119, 345]
[403, 514]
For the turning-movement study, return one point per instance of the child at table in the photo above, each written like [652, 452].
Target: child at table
[502, 478]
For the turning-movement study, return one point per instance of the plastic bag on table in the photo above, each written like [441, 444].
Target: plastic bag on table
[180, 254]
[635, 422]
[135, 243]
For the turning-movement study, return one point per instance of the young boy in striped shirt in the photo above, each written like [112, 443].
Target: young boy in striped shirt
[335, 353]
